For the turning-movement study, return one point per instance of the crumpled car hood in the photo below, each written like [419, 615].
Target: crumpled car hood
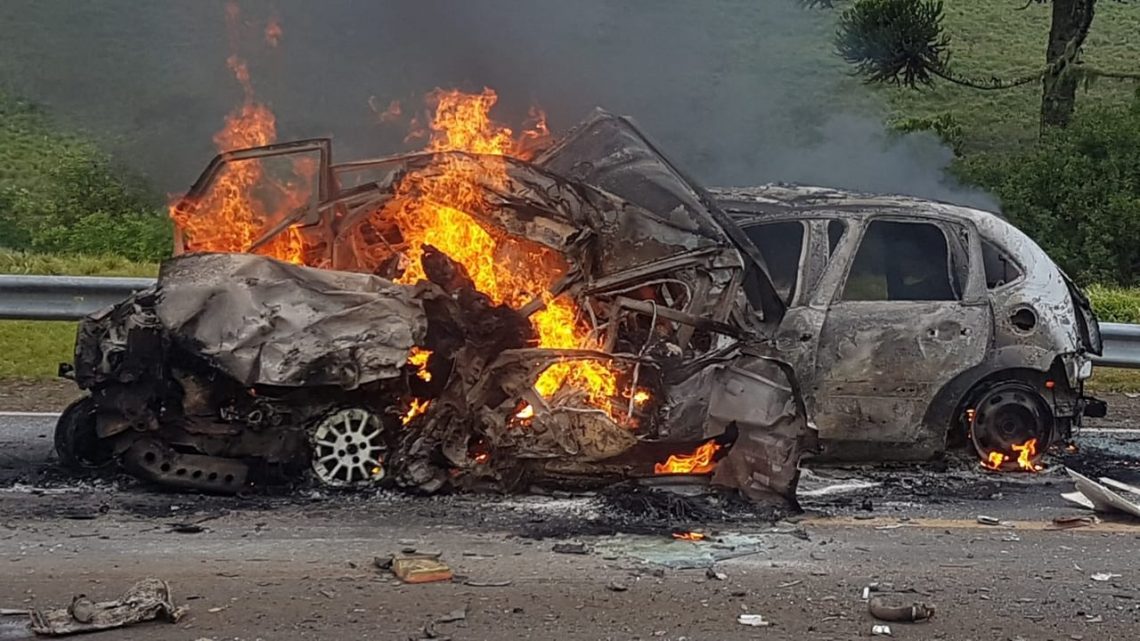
[267, 322]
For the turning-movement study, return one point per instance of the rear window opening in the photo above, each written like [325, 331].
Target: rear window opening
[1000, 268]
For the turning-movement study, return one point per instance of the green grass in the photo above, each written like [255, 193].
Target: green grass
[31, 349]
[34, 349]
[1111, 379]
[18, 262]
[995, 38]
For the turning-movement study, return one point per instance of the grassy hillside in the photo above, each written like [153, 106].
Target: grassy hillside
[996, 38]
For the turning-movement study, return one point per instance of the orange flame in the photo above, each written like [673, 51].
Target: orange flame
[689, 536]
[507, 270]
[418, 407]
[388, 114]
[273, 32]
[994, 461]
[1025, 452]
[699, 462]
[419, 358]
[233, 215]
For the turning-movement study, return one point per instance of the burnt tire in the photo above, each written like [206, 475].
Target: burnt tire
[1010, 414]
[76, 441]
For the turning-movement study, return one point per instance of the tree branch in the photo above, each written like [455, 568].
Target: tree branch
[994, 83]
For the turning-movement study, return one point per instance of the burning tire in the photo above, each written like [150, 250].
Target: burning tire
[348, 448]
[1010, 426]
[76, 441]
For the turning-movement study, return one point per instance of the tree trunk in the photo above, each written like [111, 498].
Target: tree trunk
[1070, 27]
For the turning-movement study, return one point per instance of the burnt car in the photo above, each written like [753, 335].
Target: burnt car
[914, 325]
[447, 319]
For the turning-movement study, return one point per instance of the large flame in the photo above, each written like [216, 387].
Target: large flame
[699, 462]
[437, 206]
[507, 270]
[236, 211]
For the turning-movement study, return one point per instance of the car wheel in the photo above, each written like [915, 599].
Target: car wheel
[1010, 426]
[77, 442]
[348, 448]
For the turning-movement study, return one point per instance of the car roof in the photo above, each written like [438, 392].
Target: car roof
[783, 199]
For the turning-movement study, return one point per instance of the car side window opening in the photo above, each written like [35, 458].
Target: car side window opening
[835, 229]
[903, 261]
[1000, 268]
[781, 245]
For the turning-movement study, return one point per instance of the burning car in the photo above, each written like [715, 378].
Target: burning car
[477, 314]
[501, 310]
[914, 324]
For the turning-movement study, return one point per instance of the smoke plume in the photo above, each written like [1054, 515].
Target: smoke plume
[738, 91]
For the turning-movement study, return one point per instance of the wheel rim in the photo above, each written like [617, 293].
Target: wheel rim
[348, 448]
[1007, 421]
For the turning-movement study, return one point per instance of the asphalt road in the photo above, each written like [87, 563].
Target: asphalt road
[300, 565]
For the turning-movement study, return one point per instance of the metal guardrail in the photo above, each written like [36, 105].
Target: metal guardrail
[1121, 345]
[73, 297]
[62, 297]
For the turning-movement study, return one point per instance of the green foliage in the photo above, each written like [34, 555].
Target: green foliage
[1114, 304]
[1077, 193]
[59, 193]
[894, 41]
[19, 262]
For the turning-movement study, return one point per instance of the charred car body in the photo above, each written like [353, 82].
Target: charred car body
[238, 367]
[916, 324]
[639, 325]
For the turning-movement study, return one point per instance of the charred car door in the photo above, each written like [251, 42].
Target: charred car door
[907, 314]
[262, 192]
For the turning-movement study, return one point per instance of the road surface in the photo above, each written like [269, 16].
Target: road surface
[300, 565]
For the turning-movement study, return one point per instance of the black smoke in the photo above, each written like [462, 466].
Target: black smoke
[739, 91]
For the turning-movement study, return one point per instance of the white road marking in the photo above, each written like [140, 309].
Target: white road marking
[29, 414]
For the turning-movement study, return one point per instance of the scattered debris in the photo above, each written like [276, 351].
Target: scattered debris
[881, 631]
[790, 583]
[187, 528]
[754, 620]
[1104, 576]
[685, 556]
[899, 613]
[715, 574]
[486, 584]
[146, 600]
[571, 548]
[615, 586]
[1070, 522]
[815, 484]
[420, 568]
[987, 520]
[459, 614]
[1098, 496]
